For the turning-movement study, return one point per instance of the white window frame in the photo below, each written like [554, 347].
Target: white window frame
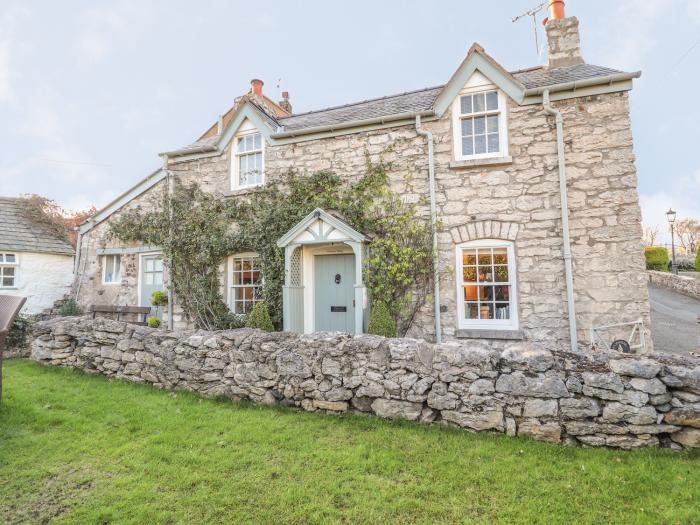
[235, 156]
[14, 265]
[118, 280]
[490, 324]
[457, 117]
[231, 287]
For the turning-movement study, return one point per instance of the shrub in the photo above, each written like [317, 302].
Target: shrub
[153, 321]
[19, 332]
[159, 298]
[697, 261]
[70, 307]
[656, 258]
[380, 321]
[259, 317]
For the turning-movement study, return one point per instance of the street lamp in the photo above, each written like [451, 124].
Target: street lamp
[671, 219]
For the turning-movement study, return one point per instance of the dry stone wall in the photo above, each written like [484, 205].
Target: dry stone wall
[600, 399]
[678, 283]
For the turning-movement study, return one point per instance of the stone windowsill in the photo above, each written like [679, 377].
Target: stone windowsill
[493, 161]
[242, 191]
[510, 335]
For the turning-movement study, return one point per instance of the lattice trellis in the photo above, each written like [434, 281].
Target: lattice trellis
[295, 273]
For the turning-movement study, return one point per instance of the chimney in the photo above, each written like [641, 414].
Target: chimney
[562, 37]
[284, 103]
[256, 86]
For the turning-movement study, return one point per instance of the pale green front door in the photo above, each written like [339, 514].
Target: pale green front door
[334, 291]
[151, 277]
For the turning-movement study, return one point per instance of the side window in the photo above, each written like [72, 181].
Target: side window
[245, 282]
[480, 125]
[9, 265]
[486, 285]
[247, 161]
[111, 269]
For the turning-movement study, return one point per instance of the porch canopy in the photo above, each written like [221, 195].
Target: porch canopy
[321, 233]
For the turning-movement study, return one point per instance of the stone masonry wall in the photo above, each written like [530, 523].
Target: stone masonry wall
[678, 283]
[598, 399]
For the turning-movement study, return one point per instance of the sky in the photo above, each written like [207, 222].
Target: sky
[92, 91]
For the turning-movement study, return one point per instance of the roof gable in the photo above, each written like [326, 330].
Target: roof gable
[478, 60]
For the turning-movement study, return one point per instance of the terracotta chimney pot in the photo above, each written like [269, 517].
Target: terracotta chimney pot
[256, 86]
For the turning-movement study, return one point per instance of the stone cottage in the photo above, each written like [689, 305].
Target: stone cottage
[34, 263]
[530, 176]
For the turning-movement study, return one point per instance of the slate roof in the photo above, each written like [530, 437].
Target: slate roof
[538, 77]
[18, 233]
[410, 101]
[419, 100]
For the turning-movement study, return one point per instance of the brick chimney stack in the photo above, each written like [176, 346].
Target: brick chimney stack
[256, 86]
[564, 45]
[284, 103]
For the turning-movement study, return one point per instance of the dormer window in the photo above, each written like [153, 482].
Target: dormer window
[480, 125]
[247, 160]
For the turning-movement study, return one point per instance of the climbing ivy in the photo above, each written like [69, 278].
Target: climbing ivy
[204, 228]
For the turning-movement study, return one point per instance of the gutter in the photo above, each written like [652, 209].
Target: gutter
[564, 219]
[433, 227]
[573, 85]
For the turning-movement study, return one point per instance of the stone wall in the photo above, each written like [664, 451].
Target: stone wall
[599, 399]
[678, 283]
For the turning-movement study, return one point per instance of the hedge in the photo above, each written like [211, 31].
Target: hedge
[656, 258]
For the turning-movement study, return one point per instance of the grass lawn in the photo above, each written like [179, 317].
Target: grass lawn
[81, 449]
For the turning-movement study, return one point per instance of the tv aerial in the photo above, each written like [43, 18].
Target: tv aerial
[533, 13]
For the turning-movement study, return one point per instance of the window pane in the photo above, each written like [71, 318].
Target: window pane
[469, 274]
[488, 293]
[467, 128]
[117, 267]
[485, 257]
[249, 143]
[492, 124]
[471, 293]
[149, 278]
[8, 272]
[501, 274]
[485, 274]
[243, 170]
[158, 278]
[492, 100]
[502, 311]
[479, 104]
[493, 142]
[480, 144]
[502, 293]
[241, 145]
[486, 311]
[10, 257]
[471, 311]
[159, 265]
[257, 141]
[467, 146]
[8, 281]
[500, 256]
[468, 256]
[479, 125]
[466, 104]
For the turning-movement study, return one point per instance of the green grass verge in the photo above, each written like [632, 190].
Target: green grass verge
[81, 449]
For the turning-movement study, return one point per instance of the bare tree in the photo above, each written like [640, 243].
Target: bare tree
[650, 234]
[688, 231]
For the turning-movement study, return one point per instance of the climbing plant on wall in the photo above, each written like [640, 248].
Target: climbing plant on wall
[205, 228]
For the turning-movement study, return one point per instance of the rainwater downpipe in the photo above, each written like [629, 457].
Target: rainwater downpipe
[564, 218]
[433, 228]
[171, 192]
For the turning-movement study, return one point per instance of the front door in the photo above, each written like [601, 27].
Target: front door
[334, 290]
[151, 277]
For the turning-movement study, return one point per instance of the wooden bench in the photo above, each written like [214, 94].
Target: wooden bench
[121, 310]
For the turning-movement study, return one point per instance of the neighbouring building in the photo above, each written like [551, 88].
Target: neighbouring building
[34, 263]
[497, 143]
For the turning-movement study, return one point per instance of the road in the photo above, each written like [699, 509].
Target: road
[674, 325]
